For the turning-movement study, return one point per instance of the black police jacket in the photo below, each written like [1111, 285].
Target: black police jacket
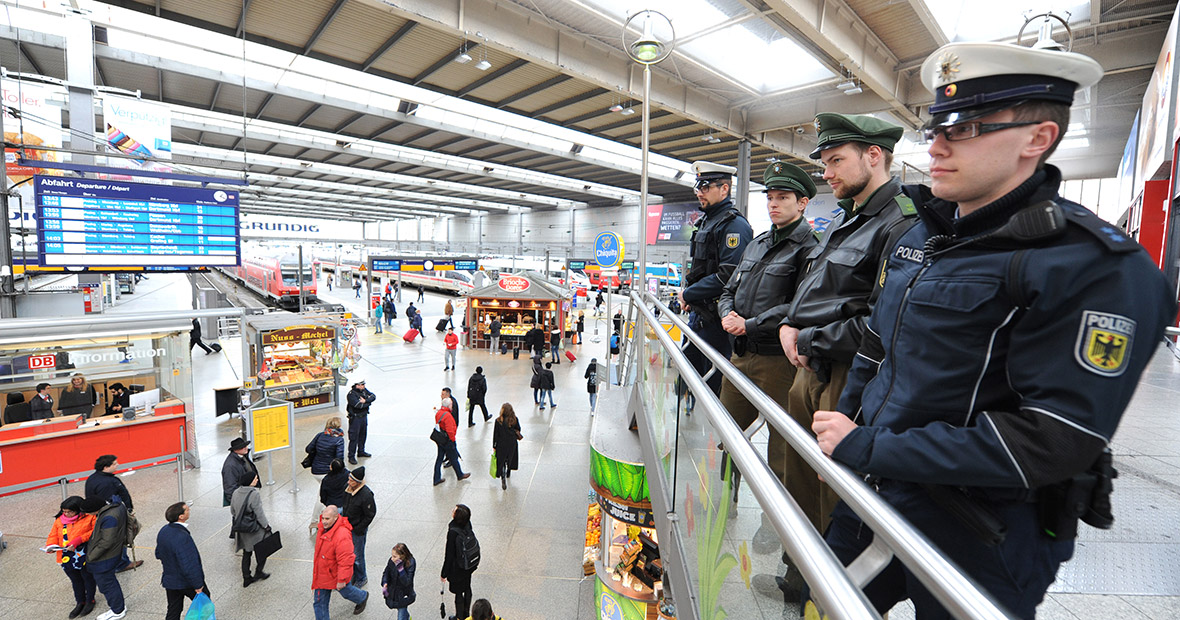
[835, 295]
[761, 288]
[716, 247]
[355, 406]
[1000, 363]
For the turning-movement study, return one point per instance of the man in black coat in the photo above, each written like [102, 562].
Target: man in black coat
[477, 388]
[238, 462]
[194, 338]
[361, 508]
[359, 400]
[120, 399]
[183, 575]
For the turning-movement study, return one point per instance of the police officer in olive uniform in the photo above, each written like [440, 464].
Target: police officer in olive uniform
[716, 248]
[1010, 334]
[756, 299]
[824, 325]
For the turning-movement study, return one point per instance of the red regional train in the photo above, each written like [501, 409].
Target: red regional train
[276, 279]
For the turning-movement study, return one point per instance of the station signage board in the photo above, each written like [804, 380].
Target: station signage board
[107, 223]
[513, 284]
[608, 249]
[577, 265]
[424, 264]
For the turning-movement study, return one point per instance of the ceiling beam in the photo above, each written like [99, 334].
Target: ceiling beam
[262, 106]
[494, 75]
[935, 30]
[579, 98]
[389, 43]
[628, 120]
[324, 23]
[348, 121]
[534, 89]
[684, 122]
[242, 18]
[21, 51]
[383, 130]
[418, 136]
[216, 94]
[306, 115]
[442, 62]
[570, 122]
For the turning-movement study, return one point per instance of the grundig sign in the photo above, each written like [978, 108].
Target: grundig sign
[513, 284]
[298, 334]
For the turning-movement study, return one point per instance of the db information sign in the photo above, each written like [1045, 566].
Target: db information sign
[608, 249]
[42, 362]
[513, 284]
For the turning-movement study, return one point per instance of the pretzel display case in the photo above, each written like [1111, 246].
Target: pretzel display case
[292, 358]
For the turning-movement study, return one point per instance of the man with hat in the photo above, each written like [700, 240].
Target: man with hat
[361, 508]
[238, 462]
[1008, 338]
[754, 302]
[716, 246]
[359, 399]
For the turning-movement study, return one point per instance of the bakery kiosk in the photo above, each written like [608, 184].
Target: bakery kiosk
[293, 357]
[520, 300]
[147, 353]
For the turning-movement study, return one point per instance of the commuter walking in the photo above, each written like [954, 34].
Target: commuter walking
[721, 236]
[359, 400]
[411, 312]
[754, 301]
[598, 299]
[324, 448]
[555, 344]
[505, 435]
[1010, 350]
[477, 389]
[194, 338]
[236, 466]
[536, 380]
[460, 559]
[361, 508]
[614, 343]
[397, 582]
[449, 311]
[333, 564]
[421, 293]
[356, 287]
[591, 377]
[581, 327]
[390, 311]
[105, 485]
[617, 321]
[451, 344]
[548, 384]
[183, 575]
[250, 526]
[378, 312]
[329, 278]
[534, 339]
[72, 528]
[334, 485]
[494, 333]
[78, 398]
[42, 404]
[447, 447]
[102, 552]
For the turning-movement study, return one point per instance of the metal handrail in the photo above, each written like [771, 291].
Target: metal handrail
[958, 593]
[833, 587]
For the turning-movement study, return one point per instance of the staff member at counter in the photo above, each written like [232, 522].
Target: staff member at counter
[42, 404]
[120, 399]
[79, 398]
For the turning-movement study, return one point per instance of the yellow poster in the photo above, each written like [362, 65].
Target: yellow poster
[271, 428]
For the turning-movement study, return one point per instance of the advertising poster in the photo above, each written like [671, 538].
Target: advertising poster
[672, 224]
[1127, 168]
[137, 127]
[1154, 126]
[39, 125]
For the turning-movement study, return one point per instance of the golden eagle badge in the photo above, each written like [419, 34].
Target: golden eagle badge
[1104, 342]
[732, 240]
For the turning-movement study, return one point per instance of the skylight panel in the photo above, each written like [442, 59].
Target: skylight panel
[971, 20]
[755, 62]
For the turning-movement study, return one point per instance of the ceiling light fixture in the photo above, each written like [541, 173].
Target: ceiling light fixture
[463, 58]
[846, 85]
[627, 111]
[483, 65]
[618, 107]
[854, 91]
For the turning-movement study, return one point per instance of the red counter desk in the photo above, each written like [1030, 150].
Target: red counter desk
[34, 455]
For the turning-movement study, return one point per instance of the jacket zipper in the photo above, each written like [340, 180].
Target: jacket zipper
[905, 300]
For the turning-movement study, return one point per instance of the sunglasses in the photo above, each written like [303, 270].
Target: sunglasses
[968, 129]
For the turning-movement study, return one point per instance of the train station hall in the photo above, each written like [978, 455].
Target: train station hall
[828, 309]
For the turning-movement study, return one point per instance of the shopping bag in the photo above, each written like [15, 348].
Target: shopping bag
[492, 469]
[268, 546]
[201, 608]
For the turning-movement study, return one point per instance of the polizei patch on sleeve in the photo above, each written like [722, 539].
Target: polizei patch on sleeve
[1104, 342]
[732, 240]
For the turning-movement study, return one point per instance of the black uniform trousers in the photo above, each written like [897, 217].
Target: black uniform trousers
[358, 430]
[710, 330]
[1016, 572]
[176, 600]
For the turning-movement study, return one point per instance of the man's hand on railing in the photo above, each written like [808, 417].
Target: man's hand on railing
[734, 324]
[789, 337]
[830, 428]
[680, 296]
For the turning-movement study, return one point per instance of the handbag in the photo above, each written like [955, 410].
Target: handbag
[201, 608]
[247, 522]
[268, 545]
[439, 437]
[311, 451]
[492, 469]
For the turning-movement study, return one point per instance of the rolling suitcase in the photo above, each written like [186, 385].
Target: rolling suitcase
[516, 353]
[410, 335]
[503, 348]
[216, 347]
[570, 356]
[442, 325]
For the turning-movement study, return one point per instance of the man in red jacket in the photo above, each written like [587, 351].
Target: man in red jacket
[448, 449]
[332, 567]
[452, 342]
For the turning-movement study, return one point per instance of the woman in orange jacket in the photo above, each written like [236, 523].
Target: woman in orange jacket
[71, 530]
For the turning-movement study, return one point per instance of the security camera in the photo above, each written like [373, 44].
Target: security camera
[799, 130]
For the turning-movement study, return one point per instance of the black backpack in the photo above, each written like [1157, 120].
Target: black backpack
[468, 548]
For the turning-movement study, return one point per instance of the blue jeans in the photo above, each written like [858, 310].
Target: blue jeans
[553, 350]
[377, 324]
[320, 599]
[449, 451]
[537, 392]
[593, 400]
[104, 578]
[548, 393]
[359, 574]
[403, 613]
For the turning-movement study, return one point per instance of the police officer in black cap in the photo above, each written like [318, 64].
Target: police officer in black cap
[757, 297]
[1010, 334]
[716, 248]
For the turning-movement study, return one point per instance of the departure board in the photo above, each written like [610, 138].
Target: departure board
[100, 223]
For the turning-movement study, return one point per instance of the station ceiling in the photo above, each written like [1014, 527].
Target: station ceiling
[559, 62]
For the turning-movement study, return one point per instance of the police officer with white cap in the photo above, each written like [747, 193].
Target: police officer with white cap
[1008, 338]
[716, 248]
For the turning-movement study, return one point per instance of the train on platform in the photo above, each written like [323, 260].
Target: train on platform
[455, 282]
[276, 279]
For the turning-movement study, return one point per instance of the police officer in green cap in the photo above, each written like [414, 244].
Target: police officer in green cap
[716, 247]
[756, 299]
[823, 327]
